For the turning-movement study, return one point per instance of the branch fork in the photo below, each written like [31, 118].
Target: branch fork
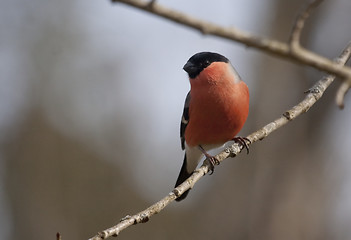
[292, 51]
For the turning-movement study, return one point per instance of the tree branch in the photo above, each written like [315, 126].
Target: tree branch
[292, 51]
[300, 23]
[280, 49]
[314, 94]
[340, 95]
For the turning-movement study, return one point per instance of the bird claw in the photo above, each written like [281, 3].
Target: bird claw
[242, 142]
[213, 161]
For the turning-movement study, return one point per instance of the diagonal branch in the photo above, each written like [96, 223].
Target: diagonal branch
[267, 45]
[314, 94]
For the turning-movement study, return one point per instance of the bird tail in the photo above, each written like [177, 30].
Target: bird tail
[183, 175]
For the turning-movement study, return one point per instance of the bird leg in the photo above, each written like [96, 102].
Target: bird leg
[213, 160]
[242, 141]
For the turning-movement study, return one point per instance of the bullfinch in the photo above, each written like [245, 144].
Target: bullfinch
[215, 110]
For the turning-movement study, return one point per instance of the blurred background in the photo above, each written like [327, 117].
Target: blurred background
[91, 96]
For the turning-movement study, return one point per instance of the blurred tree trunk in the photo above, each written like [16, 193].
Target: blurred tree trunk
[52, 182]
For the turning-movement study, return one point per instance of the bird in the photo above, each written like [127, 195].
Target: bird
[215, 110]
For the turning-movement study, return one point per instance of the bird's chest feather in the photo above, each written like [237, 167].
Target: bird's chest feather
[216, 113]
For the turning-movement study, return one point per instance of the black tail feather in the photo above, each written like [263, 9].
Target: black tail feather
[183, 175]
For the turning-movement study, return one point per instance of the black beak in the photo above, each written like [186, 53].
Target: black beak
[191, 69]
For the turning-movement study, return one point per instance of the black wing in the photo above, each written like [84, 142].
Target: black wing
[185, 120]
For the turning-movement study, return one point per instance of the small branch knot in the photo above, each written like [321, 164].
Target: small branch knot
[143, 218]
[176, 192]
[313, 90]
[102, 235]
[288, 115]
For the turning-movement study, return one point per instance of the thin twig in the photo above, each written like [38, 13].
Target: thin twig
[314, 94]
[343, 89]
[267, 45]
[340, 94]
[300, 23]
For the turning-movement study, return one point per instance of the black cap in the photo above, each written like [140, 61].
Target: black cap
[200, 61]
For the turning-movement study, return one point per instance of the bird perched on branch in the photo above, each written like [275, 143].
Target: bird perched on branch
[215, 110]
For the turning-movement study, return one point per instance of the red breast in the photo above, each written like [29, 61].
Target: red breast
[218, 107]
